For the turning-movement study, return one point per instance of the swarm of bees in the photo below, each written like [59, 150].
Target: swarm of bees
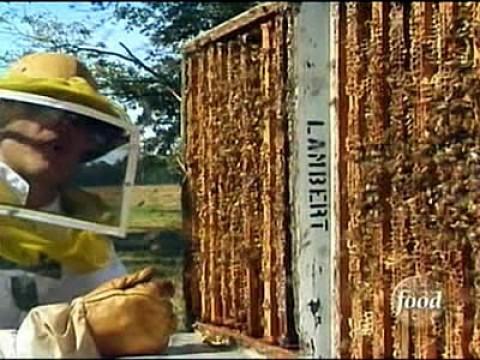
[412, 86]
[236, 130]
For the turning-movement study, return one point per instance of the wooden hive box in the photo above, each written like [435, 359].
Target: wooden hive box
[331, 152]
[247, 161]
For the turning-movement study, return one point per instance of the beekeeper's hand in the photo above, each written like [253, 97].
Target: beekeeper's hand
[131, 315]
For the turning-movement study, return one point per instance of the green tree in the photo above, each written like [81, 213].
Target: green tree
[168, 25]
[150, 84]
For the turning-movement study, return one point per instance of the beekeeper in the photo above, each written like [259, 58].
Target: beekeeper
[63, 291]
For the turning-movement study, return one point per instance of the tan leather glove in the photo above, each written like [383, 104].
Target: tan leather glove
[131, 315]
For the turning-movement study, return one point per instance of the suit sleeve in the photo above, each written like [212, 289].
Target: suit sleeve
[8, 344]
[50, 331]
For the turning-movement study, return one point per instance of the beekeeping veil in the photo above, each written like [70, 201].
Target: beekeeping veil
[53, 88]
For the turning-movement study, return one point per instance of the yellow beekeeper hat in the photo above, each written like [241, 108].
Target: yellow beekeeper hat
[59, 76]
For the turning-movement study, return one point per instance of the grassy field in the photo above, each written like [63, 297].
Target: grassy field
[158, 209]
[152, 206]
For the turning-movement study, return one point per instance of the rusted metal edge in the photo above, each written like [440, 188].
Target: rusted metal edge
[271, 351]
[226, 28]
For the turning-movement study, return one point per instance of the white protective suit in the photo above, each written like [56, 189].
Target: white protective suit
[22, 332]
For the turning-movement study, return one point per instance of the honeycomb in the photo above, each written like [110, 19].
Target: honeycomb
[412, 147]
[410, 135]
[236, 159]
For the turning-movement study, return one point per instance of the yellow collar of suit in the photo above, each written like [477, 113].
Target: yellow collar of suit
[25, 242]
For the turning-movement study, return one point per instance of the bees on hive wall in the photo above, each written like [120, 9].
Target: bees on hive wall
[237, 132]
[412, 150]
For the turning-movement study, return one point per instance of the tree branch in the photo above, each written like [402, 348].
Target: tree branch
[137, 61]
[140, 63]
[14, 30]
[103, 52]
[131, 58]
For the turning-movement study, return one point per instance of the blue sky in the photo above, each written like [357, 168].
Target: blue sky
[68, 11]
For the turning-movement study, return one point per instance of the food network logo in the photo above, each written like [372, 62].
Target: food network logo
[416, 294]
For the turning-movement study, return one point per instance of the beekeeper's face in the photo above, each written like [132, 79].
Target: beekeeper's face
[43, 146]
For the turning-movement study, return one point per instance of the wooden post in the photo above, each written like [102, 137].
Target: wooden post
[310, 159]
[203, 200]
[268, 186]
[222, 243]
[251, 261]
[234, 265]
[186, 197]
[211, 186]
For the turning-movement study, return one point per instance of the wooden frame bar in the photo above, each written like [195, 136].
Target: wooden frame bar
[271, 351]
[313, 232]
[238, 23]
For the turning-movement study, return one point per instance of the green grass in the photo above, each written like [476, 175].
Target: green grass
[155, 217]
[151, 206]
